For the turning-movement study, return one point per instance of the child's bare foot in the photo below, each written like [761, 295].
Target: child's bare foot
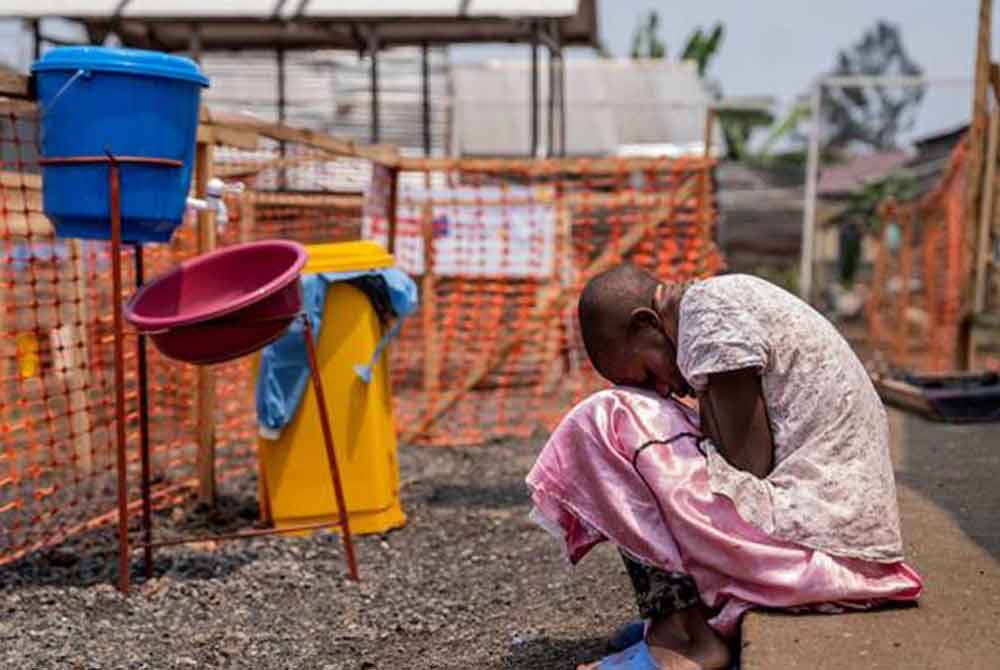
[685, 640]
[682, 641]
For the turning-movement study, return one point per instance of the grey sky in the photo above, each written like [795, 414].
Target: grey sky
[777, 47]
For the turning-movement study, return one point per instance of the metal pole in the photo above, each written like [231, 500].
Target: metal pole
[534, 91]
[373, 77]
[282, 96]
[425, 95]
[147, 504]
[809, 211]
[36, 32]
[562, 104]
[116, 300]
[551, 108]
[331, 453]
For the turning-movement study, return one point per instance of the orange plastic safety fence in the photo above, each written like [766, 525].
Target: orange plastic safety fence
[915, 299]
[500, 254]
[57, 463]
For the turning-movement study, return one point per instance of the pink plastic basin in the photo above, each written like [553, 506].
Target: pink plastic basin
[222, 305]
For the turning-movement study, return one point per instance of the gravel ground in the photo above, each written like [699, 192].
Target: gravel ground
[468, 583]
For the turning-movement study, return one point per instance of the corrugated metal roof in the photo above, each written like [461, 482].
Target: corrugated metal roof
[609, 104]
[858, 171]
[172, 25]
[329, 91]
[266, 9]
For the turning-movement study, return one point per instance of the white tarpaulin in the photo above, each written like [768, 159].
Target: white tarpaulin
[484, 231]
[277, 9]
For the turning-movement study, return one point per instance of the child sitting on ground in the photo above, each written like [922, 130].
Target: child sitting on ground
[777, 492]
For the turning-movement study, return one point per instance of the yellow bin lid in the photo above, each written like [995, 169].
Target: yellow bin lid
[346, 257]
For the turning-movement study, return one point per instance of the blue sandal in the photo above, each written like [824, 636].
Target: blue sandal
[626, 636]
[636, 657]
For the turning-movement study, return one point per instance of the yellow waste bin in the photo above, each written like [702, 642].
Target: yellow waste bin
[294, 469]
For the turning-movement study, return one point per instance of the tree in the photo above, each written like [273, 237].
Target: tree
[702, 47]
[872, 116]
[646, 41]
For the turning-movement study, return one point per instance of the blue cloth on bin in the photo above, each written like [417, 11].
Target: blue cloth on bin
[284, 364]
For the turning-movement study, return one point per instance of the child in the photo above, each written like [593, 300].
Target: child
[777, 492]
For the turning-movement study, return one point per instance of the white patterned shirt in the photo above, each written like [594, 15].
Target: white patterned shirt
[832, 486]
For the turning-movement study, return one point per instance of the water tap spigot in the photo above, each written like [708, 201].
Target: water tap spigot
[213, 201]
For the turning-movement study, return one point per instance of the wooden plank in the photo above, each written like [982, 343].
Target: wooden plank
[205, 420]
[554, 166]
[13, 84]
[380, 153]
[15, 107]
[347, 202]
[239, 138]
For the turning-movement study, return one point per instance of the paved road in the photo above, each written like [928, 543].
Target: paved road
[949, 490]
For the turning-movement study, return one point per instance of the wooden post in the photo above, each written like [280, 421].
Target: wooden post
[428, 299]
[248, 216]
[964, 351]
[391, 207]
[205, 460]
[77, 350]
[986, 215]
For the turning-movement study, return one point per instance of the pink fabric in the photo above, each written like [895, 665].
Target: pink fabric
[584, 483]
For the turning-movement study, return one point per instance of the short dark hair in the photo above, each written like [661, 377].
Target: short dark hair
[605, 306]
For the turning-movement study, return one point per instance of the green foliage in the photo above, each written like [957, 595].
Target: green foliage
[646, 41]
[862, 204]
[702, 47]
[737, 126]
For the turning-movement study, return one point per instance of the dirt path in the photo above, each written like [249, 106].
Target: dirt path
[469, 583]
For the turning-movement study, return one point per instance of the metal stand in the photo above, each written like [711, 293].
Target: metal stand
[114, 193]
[114, 197]
[147, 503]
[342, 521]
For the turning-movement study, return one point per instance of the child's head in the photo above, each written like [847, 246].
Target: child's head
[624, 332]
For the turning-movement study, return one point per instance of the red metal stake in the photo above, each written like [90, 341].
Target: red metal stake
[122, 463]
[331, 454]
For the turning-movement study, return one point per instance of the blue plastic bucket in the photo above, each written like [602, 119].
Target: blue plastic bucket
[128, 102]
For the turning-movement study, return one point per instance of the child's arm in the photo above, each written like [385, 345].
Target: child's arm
[735, 418]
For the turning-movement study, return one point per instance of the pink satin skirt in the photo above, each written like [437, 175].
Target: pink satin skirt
[619, 468]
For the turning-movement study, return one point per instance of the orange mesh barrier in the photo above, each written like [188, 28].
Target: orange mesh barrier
[915, 299]
[500, 249]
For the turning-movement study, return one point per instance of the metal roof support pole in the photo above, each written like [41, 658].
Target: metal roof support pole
[373, 80]
[282, 100]
[425, 95]
[36, 33]
[562, 104]
[194, 44]
[560, 88]
[534, 90]
[551, 107]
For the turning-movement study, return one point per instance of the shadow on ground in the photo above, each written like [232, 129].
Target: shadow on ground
[957, 468]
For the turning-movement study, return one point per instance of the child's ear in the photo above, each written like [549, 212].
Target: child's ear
[644, 317]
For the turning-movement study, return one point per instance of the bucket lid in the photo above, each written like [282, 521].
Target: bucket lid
[126, 61]
[346, 257]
